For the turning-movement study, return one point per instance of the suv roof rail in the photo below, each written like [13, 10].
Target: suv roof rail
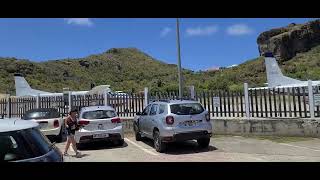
[186, 98]
[168, 100]
[161, 100]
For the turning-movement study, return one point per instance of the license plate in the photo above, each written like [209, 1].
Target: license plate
[100, 135]
[189, 123]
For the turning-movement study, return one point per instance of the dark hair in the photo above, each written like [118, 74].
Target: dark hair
[73, 110]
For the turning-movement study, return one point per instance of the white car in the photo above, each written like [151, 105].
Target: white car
[99, 123]
[21, 141]
[49, 120]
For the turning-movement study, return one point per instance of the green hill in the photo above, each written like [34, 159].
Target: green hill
[129, 69]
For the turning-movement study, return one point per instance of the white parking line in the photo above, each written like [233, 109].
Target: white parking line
[302, 147]
[258, 159]
[142, 148]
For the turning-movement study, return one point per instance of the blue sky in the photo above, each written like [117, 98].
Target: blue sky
[205, 42]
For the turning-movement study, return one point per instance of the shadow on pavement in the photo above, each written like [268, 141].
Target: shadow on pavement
[81, 156]
[100, 145]
[187, 147]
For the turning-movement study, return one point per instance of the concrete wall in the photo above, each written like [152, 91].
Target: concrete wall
[278, 127]
[256, 126]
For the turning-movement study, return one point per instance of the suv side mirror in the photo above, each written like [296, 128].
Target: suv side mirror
[139, 113]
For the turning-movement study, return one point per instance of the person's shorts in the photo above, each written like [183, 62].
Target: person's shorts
[70, 132]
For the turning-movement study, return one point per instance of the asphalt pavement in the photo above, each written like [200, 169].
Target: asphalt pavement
[221, 149]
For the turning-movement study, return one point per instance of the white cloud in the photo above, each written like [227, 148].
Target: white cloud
[165, 31]
[79, 21]
[239, 29]
[202, 31]
[213, 68]
[233, 65]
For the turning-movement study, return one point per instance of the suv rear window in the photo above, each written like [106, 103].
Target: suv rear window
[41, 114]
[186, 109]
[99, 114]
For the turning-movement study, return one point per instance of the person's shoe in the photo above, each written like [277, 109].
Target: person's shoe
[78, 154]
[65, 154]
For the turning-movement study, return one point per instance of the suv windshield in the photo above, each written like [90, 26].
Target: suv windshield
[99, 114]
[41, 114]
[186, 109]
[23, 144]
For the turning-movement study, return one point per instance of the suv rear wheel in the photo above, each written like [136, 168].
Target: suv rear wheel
[158, 144]
[203, 142]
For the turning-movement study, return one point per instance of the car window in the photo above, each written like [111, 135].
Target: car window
[162, 108]
[99, 114]
[146, 110]
[38, 142]
[13, 148]
[186, 108]
[41, 114]
[23, 144]
[154, 109]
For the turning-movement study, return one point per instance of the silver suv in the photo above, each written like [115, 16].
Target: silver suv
[173, 120]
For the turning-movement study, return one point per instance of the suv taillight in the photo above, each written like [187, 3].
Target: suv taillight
[56, 123]
[83, 122]
[207, 117]
[169, 120]
[116, 120]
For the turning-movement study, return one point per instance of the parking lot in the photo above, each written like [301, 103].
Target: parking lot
[221, 149]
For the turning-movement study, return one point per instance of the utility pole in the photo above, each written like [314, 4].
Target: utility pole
[179, 62]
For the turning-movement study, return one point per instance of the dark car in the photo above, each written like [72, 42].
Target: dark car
[22, 141]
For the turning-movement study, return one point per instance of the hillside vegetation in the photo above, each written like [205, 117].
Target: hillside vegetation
[131, 70]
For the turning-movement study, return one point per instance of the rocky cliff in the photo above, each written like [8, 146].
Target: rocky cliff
[286, 42]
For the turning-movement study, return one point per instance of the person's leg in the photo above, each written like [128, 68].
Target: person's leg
[73, 142]
[67, 146]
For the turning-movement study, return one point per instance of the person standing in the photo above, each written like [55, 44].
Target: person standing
[71, 125]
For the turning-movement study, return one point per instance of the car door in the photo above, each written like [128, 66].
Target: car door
[151, 120]
[143, 118]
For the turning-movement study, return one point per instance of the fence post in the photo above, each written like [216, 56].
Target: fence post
[38, 101]
[105, 98]
[311, 102]
[8, 113]
[246, 100]
[69, 99]
[192, 94]
[146, 99]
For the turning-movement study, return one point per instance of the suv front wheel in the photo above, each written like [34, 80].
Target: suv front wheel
[158, 144]
[137, 133]
[203, 142]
